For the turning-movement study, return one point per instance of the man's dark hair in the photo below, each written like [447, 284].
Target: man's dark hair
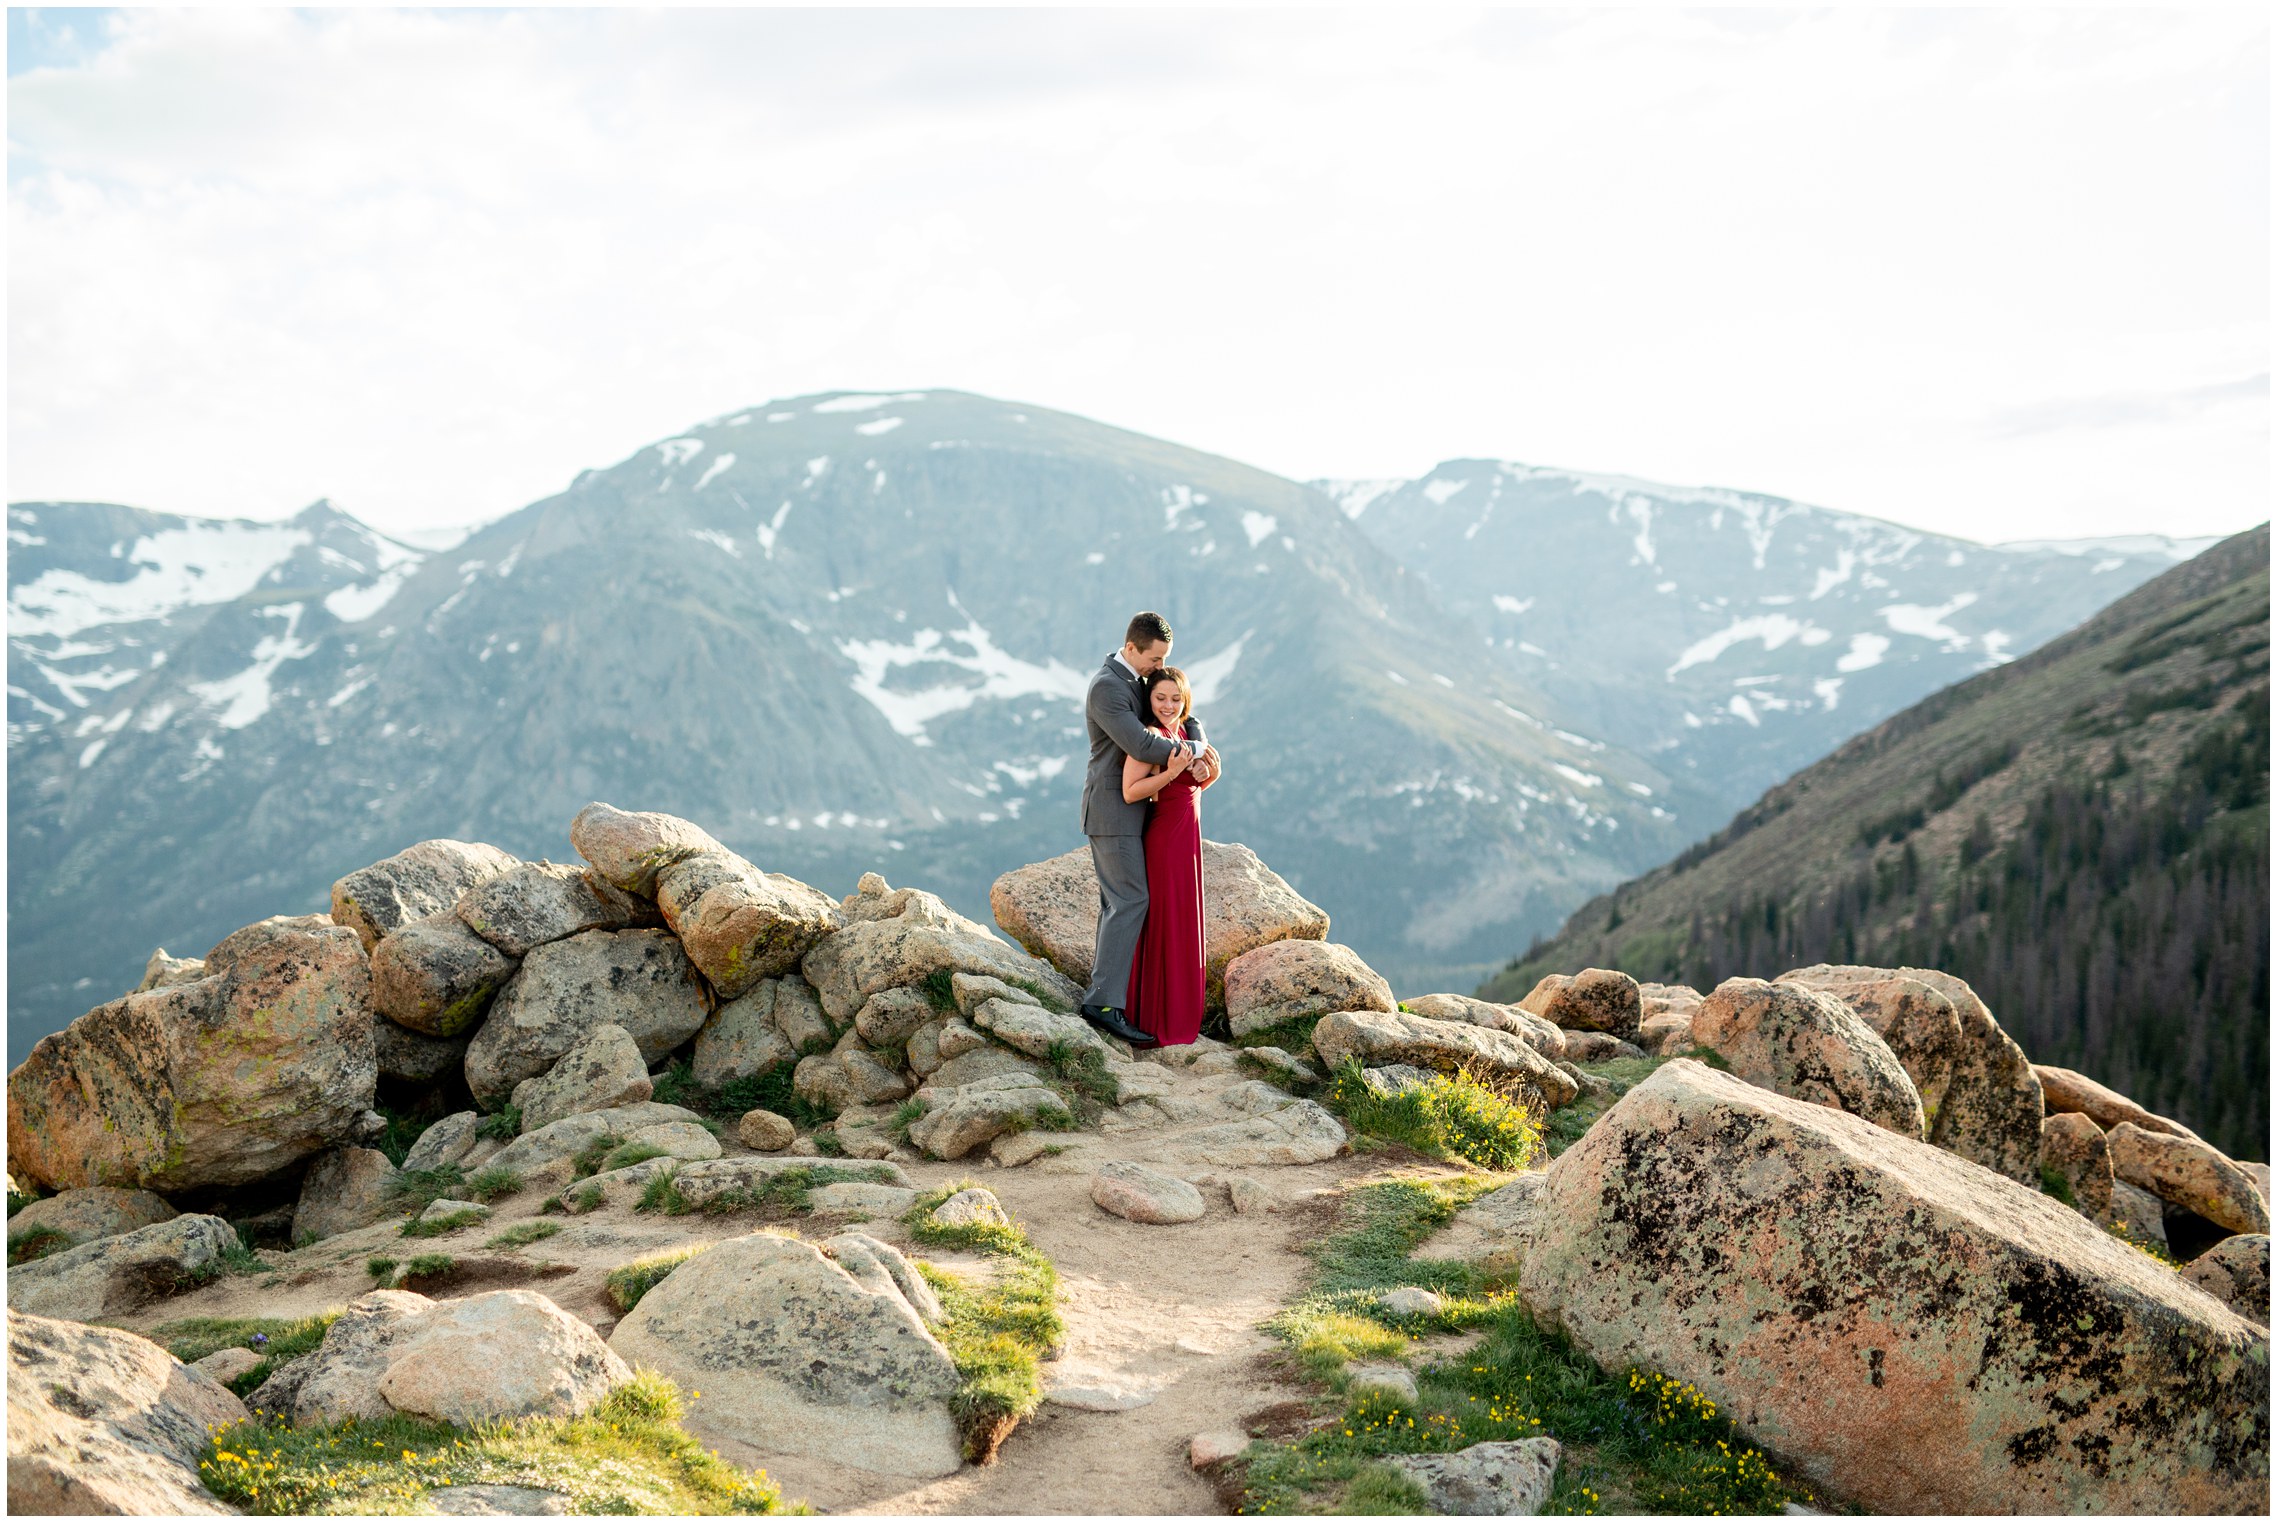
[1146, 628]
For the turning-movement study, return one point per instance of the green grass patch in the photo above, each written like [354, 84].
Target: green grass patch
[586, 1162]
[2052, 1182]
[429, 1264]
[1292, 1036]
[417, 1189]
[1454, 1116]
[627, 1154]
[827, 1144]
[36, 1243]
[940, 990]
[1041, 995]
[522, 1234]
[628, 1455]
[1564, 1127]
[911, 1112]
[401, 1132]
[275, 1339]
[1635, 1441]
[787, 1192]
[997, 1334]
[582, 1200]
[503, 1126]
[1080, 1075]
[380, 1267]
[493, 1184]
[17, 1200]
[626, 1285]
[441, 1224]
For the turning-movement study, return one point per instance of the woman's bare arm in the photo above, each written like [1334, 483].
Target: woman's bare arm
[1142, 782]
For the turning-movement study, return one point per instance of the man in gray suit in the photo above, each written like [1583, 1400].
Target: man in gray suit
[1115, 714]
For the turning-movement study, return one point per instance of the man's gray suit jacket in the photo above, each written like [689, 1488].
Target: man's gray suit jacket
[1115, 715]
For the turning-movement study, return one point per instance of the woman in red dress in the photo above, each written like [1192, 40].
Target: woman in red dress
[1168, 981]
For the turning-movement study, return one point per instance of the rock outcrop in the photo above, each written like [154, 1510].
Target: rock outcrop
[103, 1421]
[1442, 1046]
[738, 924]
[436, 977]
[628, 849]
[2235, 1272]
[1544, 1036]
[1137, 1193]
[785, 1342]
[1510, 1478]
[1296, 980]
[235, 1076]
[2073, 1149]
[1809, 1045]
[344, 1189]
[639, 980]
[603, 1071]
[1595, 999]
[2182, 1171]
[416, 882]
[1910, 1331]
[117, 1274]
[2064, 1092]
[1052, 909]
[525, 907]
[82, 1216]
[1992, 1109]
[1919, 1025]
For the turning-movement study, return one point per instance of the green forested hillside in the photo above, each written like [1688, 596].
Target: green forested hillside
[2082, 834]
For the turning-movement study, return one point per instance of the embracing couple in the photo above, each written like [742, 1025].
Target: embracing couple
[1142, 810]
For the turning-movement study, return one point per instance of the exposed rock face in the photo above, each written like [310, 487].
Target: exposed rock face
[2188, 1173]
[1492, 1231]
[738, 924]
[2063, 1092]
[741, 1040]
[103, 1421]
[1918, 1025]
[1027, 1027]
[891, 1017]
[226, 1364]
[434, 976]
[98, 1211]
[1291, 980]
[2072, 1147]
[1545, 1037]
[629, 849]
[1598, 1046]
[416, 882]
[1992, 1108]
[1299, 1132]
[1506, 1479]
[1667, 1034]
[1595, 999]
[537, 902]
[2138, 1213]
[164, 970]
[1800, 1042]
[639, 980]
[604, 1070]
[1908, 1330]
[705, 1182]
[445, 1143]
[567, 1137]
[503, 1354]
[412, 1055]
[344, 1189]
[901, 937]
[786, 1343]
[878, 1266]
[265, 1060]
[2235, 1272]
[849, 1075]
[1137, 1193]
[979, 1113]
[1443, 1046]
[117, 1274]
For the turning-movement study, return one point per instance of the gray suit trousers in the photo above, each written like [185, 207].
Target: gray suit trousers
[1121, 864]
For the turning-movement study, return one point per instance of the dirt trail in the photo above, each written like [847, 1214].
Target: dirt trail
[1167, 1313]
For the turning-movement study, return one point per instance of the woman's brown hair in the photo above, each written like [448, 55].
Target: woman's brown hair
[1159, 676]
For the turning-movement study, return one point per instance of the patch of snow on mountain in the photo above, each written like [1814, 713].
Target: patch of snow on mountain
[1929, 623]
[206, 562]
[1002, 675]
[1639, 510]
[719, 464]
[865, 401]
[1258, 526]
[1512, 605]
[879, 426]
[353, 605]
[1440, 490]
[678, 452]
[1865, 651]
[1208, 676]
[1996, 646]
[773, 527]
[2117, 544]
[1829, 690]
[814, 470]
[1396, 677]
[722, 541]
[1353, 496]
[245, 697]
[1032, 770]
[1576, 775]
[1176, 500]
[1773, 629]
[1831, 577]
[1745, 710]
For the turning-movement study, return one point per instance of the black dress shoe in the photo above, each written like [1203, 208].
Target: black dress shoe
[1110, 1020]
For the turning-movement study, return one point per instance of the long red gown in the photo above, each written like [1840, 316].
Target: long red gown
[1168, 982]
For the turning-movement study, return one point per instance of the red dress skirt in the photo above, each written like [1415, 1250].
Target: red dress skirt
[1168, 981]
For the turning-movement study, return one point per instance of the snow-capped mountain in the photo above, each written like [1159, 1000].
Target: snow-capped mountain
[1731, 637]
[843, 632]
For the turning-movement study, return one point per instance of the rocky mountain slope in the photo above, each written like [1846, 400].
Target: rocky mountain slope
[852, 628]
[1729, 636]
[2082, 834]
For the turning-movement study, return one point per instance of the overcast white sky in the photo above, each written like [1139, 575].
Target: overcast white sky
[1996, 273]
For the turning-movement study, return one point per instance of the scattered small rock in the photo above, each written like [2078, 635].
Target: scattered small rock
[226, 1364]
[1510, 1478]
[1392, 1379]
[972, 1208]
[765, 1132]
[1216, 1447]
[443, 1210]
[1412, 1301]
[1140, 1194]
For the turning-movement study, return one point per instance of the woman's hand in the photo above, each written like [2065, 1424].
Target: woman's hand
[1180, 760]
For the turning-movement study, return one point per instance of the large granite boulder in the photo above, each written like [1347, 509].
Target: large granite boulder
[629, 849]
[2235, 1272]
[961, 1120]
[890, 1017]
[738, 924]
[225, 1080]
[902, 937]
[1992, 1109]
[1919, 1025]
[344, 1189]
[1795, 1040]
[847, 1076]
[503, 1354]
[1910, 1331]
[1595, 999]
[117, 1274]
[415, 1056]
[604, 1070]
[2182, 1171]
[639, 980]
[416, 882]
[740, 1039]
[446, 1144]
[1296, 979]
[1052, 909]
[1376, 1039]
[97, 1211]
[101, 1420]
[646, 1121]
[1545, 1037]
[434, 976]
[2063, 1092]
[786, 1343]
[2073, 1149]
[164, 970]
[1025, 1026]
[537, 902]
